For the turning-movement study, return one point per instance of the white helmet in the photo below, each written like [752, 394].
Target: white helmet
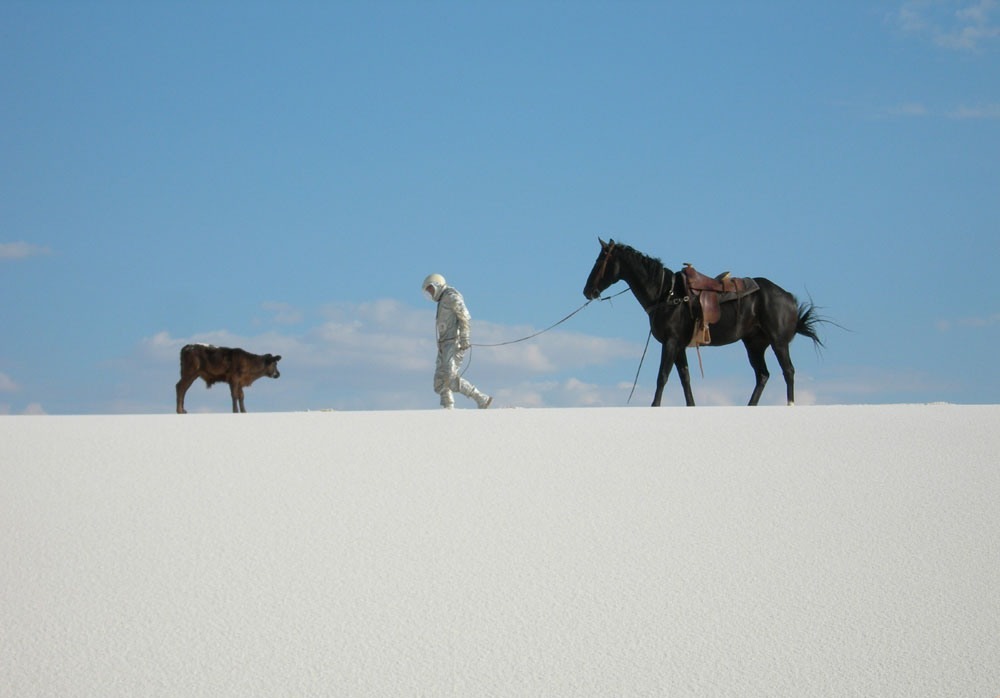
[433, 286]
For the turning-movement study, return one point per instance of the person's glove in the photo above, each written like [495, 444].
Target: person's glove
[464, 343]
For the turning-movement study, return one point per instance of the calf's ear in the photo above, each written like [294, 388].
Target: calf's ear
[277, 358]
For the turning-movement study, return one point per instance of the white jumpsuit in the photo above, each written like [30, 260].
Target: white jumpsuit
[453, 331]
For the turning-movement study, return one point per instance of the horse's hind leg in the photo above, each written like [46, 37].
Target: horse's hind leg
[785, 361]
[755, 352]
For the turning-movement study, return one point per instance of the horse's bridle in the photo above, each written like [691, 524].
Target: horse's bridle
[604, 262]
[671, 299]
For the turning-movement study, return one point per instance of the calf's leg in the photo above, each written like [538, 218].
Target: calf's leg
[182, 386]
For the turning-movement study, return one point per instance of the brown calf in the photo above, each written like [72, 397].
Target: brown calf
[221, 364]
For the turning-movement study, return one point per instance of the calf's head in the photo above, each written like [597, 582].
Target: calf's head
[271, 366]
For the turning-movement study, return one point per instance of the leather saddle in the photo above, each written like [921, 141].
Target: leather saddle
[710, 293]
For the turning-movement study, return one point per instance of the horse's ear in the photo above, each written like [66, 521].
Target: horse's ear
[604, 245]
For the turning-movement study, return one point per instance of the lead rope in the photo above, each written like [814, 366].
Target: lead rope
[540, 332]
[552, 326]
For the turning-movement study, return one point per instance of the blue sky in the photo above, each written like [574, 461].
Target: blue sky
[282, 176]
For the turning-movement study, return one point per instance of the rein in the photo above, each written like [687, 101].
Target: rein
[670, 299]
[540, 332]
[552, 326]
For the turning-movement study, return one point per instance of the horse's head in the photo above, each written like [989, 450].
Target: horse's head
[606, 271]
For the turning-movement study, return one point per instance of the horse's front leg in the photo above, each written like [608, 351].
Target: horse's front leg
[685, 375]
[668, 356]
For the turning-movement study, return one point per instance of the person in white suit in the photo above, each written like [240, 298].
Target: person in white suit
[454, 326]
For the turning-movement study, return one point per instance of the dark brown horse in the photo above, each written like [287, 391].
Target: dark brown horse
[769, 317]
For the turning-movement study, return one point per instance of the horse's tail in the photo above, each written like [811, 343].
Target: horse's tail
[808, 320]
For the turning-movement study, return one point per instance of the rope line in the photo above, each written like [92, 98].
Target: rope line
[552, 326]
[467, 360]
[643, 358]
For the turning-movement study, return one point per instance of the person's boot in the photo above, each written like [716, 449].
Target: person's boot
[447, 401]
[482, 399]
[470, 391]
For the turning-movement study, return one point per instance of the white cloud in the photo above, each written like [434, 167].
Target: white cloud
[33, 408]
[985, 112]
[852, 384]
[958, 26]
[283, 313]
[973, 322]
[905, 110]
[7, 385]
[914, 110]
[380, 355]
[21, 250]
[571, 392]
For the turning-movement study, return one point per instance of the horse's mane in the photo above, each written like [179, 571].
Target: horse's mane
[650, 265]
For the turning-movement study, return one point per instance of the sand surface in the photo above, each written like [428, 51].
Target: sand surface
[811, 551]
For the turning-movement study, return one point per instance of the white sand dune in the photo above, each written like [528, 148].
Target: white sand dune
[813, 551]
